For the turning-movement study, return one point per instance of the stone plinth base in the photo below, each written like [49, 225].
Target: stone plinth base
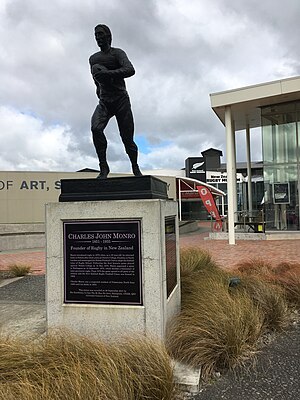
[72, 301]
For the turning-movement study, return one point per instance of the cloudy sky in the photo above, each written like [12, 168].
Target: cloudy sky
[182, 51]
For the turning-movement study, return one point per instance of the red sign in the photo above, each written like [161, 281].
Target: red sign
[210, 205]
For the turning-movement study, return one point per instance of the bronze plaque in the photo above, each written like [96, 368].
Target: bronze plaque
[102, 262]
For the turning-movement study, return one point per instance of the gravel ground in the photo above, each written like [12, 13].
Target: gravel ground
[28, 289]
[22, 308]
[274, 377]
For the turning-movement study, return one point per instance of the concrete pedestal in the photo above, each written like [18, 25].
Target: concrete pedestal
[159, 278]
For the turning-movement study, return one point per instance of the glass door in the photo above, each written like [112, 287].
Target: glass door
[280, 135]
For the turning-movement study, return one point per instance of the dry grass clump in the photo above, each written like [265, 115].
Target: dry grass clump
[19, 270]
[286, 275]
[255, 266]
[220, 326]
[193, 260]
[215, 330]
[192, 263]
[69, 367]
[269, 298]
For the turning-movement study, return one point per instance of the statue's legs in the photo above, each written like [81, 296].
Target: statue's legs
[121, 108]
[125, 122]
[100, 119]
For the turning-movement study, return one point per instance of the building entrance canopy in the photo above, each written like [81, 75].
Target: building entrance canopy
[245, 103]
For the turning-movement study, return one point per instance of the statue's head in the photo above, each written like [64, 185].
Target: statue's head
[103, 35]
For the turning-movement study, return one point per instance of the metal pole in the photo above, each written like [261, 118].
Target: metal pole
[179, 198]
[250, 206]
[223, 206]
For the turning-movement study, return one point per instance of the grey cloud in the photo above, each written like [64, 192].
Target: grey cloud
[181, 51]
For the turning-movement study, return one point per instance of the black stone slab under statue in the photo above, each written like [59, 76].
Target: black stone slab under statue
[123, 188]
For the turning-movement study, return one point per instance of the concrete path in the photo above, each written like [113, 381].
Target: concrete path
[22, 307]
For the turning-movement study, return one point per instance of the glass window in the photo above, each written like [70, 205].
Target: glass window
[280, 135]
[281, 212]
[279, 138]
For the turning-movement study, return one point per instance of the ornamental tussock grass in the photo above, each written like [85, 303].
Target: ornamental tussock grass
[19, 270]
[70, 367]
[215, 330]
[193, 262]
[255, 266]
[269, 298]
[220, 325]
[285, 274]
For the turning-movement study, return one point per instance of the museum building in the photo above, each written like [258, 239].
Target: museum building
[275, 108]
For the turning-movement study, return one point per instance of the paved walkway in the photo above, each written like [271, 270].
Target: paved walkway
[227, 256]
[34, 258]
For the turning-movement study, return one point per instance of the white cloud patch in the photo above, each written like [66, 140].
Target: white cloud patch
[182, 51]
[28, 144]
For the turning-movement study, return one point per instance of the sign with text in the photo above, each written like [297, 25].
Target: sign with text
[102, 262]
[281, 193]
[213, 177]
